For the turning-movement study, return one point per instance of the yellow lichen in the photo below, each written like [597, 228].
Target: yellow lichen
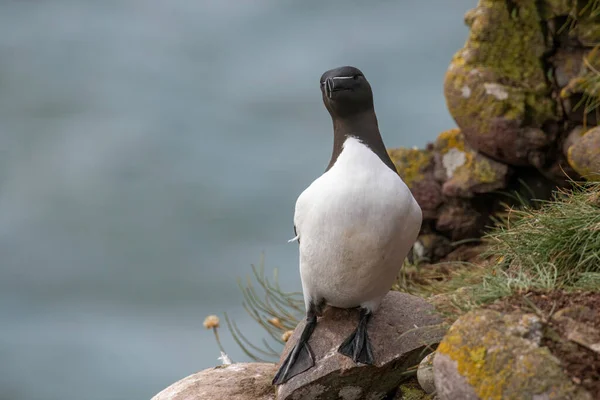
[450, 139]
[497, 82]
[500, 365]
[410, 163]
[475, 169]
[483, 171]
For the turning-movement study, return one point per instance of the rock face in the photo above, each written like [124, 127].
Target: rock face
[522, 90]
[491, 355]
[496, 87]
[239, 381]
[401, 332]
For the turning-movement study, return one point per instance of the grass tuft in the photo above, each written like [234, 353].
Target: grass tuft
[561, 238]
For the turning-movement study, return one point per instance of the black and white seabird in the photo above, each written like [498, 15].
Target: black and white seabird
[355, 224]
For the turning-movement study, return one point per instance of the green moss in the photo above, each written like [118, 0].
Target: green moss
[555, 8]
[410, 390]
[499, 73]
[510, 44]
[471, 104]
[411, 163]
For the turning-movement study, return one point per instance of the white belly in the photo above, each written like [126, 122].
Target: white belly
[356, 224]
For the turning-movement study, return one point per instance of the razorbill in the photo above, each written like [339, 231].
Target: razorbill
[355, 224]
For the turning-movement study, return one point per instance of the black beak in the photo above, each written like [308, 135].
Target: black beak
[336, 84]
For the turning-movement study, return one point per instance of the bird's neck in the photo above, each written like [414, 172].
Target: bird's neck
[364, 127]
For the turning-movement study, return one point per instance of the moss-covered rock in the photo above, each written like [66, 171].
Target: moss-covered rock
[410, 390]
[465, 171]
[415, 166]
[555, 8]
[584, 155]
[496, 85]
[494, 356]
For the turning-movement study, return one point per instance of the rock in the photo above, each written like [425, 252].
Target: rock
[496, 88]
[491, 355]
[401, 333]
[572, 137]
[584, 155]
[415, 166]
[238, 381]
[464, 171]
[425, 374]
[461, 220]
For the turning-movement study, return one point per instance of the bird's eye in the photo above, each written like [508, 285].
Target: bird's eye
[355, 77]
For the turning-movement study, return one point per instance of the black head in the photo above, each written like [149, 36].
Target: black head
[346, 91]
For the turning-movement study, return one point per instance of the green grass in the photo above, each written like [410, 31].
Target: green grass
[562, 237]
[555, 245]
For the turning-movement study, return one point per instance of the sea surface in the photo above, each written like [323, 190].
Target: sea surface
[151, 151]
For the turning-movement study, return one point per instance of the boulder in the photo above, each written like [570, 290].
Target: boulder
[239, 381]
[491, 355]
[403, 331]
[464, 171]
[496, 87]
[584, 155]
[425, 374]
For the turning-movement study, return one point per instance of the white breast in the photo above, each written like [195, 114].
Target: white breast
[356, 224]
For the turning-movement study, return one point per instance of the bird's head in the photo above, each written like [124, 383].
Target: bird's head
[346, 91]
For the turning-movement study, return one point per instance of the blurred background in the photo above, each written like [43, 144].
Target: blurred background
[152, 150]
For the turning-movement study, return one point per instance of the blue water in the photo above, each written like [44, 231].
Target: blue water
[150, 151]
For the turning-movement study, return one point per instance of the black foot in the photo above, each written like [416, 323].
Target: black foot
[294, 364]
[300, 358]
[357, 346]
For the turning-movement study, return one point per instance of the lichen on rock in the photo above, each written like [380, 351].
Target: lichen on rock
[415, 166]
[495, 356]
[496, 84]
[410, 390]
[465, 171]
